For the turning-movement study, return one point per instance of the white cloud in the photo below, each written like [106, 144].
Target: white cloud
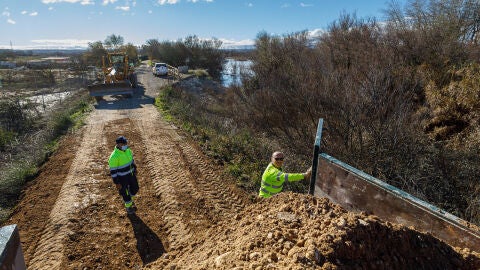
[24, 12]
[61, 43]
[51, 44]
[285, 5]
[249, 5]
[6, 13]
[125, 8]
[82, 2]
[106, 2]
[33, 13]
[171, 2]
[306, 5]
[134, 3]
[315, 33]
[150, 12]
[50, 8]
[230, 43]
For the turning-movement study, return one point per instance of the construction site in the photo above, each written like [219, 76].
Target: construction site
[192, 215]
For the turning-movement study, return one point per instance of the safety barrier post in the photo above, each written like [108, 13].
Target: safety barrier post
[316, 151]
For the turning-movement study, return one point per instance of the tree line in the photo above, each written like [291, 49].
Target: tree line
[400, 98]
[191, 51]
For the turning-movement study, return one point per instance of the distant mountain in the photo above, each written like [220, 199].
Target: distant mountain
[44, 51]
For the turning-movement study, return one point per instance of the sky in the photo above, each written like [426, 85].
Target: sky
[52, 24]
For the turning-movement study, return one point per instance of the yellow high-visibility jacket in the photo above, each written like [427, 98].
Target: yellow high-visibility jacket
[273, 179]
[121, 164]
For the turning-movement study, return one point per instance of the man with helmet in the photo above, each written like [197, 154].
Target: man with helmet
[274, 177]
[124, 173]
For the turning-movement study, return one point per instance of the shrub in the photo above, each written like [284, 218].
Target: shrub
[5, 138]
[23, 166]
[14, 116]
[191, 51]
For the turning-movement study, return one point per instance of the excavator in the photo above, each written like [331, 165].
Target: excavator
[118, 77]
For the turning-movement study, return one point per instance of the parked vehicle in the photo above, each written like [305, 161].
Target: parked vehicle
[160, 69]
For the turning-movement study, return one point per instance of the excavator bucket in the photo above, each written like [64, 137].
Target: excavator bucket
[105, 89]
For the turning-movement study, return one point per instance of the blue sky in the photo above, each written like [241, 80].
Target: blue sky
[65, 23]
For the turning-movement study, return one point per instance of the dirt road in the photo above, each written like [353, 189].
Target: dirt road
[72, 217]
[190, 214]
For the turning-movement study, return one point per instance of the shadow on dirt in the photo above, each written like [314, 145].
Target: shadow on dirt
[149, 245]
[119, 102]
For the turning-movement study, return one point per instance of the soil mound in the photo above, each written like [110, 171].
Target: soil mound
[294, 231]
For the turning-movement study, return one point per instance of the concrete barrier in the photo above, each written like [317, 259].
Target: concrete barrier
[11, 255]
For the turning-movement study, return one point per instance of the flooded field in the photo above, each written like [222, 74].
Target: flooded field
[232, 71]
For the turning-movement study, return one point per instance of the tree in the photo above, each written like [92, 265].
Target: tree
[94, 54]
[132, 52]
[151, 48]
[191, 51]
[113, 41]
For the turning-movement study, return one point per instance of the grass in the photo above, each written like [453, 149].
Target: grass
[21, 170]
[5, 138]
[200, 73]
[241, 154]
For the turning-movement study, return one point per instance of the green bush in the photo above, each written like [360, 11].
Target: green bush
[14, 116]
[63, 120]
[5, 138]
[15, 174]
[242, 155]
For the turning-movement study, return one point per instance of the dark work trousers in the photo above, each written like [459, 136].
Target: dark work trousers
[129, 183]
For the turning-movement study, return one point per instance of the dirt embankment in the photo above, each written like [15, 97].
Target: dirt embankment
[190, 214]
[294, 231]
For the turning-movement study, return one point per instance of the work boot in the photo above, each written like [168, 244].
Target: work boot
[130, 210]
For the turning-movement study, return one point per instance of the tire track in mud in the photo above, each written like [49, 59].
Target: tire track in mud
[72, 197]
[163, 164]
[188, 195]
[227, 200]
[194, 194]
[104, 236]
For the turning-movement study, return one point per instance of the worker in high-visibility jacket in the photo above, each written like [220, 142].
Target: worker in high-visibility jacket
[274, 177]
[124, 173]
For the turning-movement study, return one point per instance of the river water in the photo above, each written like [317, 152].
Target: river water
[232, 70]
